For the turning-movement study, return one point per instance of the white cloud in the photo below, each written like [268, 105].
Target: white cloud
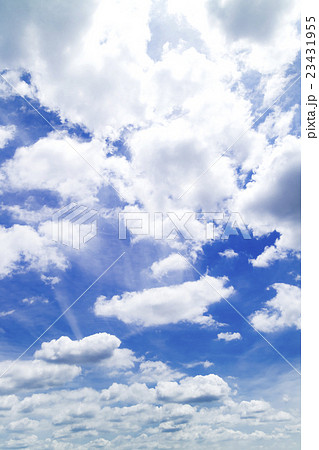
[178, 103]
[122, 359]
[253, 408]
[147, 415]
[187, 302]
[51, 163]
[7, 313]
[280, 312]
[50, 280]
[228, 253]
[229, 336]
[173, 263]
[24, 442]
[181, 111]
[270, 254]
[27, 213]
[155, 371]
[244, 20]
[35, 299]
[129, 394]
[271, 200]
[6, 134]
[24, 248]
[205, 364]
[34, 375]
[278, 123]
[90, 349]
[99, 52]
[7, 402]
[198, 389]
[23, 425]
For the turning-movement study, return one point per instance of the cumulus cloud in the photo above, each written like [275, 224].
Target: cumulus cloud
[187, 302]
[122, 360]
[137, 410]
[228, 253]
[23, 425]
[24, 248]
[158, 85]
[6, 134]
[90, 349]
[178, 103]
[104, 35]
[228, 336]
[51, 163]
[50, 280]
[155, 371]
[129, 394]
[34, 375]
[271, 200]
[198, 389]
[242, 19]
[282, 311]
[173, 263]
[270, 254]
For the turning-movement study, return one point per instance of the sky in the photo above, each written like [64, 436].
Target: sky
[171, 319]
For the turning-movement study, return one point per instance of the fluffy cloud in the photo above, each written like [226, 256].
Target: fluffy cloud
[34, 375]
[150, 75]
[155, 371]
[173, 263]
[68, 417]
[90, 349]
[270, 254]
[187, 302]
[51, 163]
[229, 253]
[6, 134]
[129, 394]
[242, 20]
[229, 336]
[179, 104]
[50, 280]
[280, 312]
[121, 360]
[249, 32]
[23, 425]
[198, 389]
[24, 248]
[271, 200]
[105, 56]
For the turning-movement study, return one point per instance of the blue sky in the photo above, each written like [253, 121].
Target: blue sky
[133, 103]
